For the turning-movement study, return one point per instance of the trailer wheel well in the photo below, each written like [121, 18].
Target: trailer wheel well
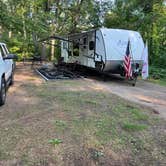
[100, 65]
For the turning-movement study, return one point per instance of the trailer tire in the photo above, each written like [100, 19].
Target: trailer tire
[134, 80]
[12, 78]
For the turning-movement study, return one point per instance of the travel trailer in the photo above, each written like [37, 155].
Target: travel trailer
[103, 49]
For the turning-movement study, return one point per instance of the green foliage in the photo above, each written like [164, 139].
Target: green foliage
[137, 114]
[97, 154]
[57, 52]
[26, 22]
[60, 123]
[19, 46]
[157, 73]
[29, 21]
[133, 127]
[55, 141]
[148, 17]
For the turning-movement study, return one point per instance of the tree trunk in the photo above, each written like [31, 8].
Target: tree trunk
[52, 49]
[10, 34]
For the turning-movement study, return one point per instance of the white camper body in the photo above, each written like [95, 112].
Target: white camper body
[103, 49]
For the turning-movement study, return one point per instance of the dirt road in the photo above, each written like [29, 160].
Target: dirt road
[144, 93]
[95, 127]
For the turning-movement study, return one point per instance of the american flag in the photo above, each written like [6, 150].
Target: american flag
[127, 62]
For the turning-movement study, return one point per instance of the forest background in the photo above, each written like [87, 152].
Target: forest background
[24, 23]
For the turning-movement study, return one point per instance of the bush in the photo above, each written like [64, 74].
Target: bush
[19, 46]
[157, 73]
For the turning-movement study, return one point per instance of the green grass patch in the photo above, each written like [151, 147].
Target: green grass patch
[133, 127]
[55, 141]
[90, 119]
[157, 75]
[161, 82]
[60, 123]
[138, 114]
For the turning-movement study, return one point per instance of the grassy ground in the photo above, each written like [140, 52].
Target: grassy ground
[157, 75]
[67, 123]
[158, 81]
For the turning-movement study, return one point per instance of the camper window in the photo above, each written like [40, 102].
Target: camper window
[84, 42]
[91, 45]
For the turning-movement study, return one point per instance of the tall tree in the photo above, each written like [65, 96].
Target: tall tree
[146, 16]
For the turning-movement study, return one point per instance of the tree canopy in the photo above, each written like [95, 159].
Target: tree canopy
[23, 23]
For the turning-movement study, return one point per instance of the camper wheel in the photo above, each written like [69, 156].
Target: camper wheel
[134, 79]
[133, 84]
[100, 65]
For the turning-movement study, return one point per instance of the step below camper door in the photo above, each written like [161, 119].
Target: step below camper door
[98, 58]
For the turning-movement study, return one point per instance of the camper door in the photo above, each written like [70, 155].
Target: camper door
[100, 48]
[64, 50]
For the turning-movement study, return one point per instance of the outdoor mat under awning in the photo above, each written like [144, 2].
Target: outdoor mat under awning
[56, 73]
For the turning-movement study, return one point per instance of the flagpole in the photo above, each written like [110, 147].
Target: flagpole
[127, 62]
[143, 51]
[145, 67]
[131, 52]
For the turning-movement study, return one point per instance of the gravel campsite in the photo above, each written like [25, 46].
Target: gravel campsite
[81, 122]
[82, 83]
